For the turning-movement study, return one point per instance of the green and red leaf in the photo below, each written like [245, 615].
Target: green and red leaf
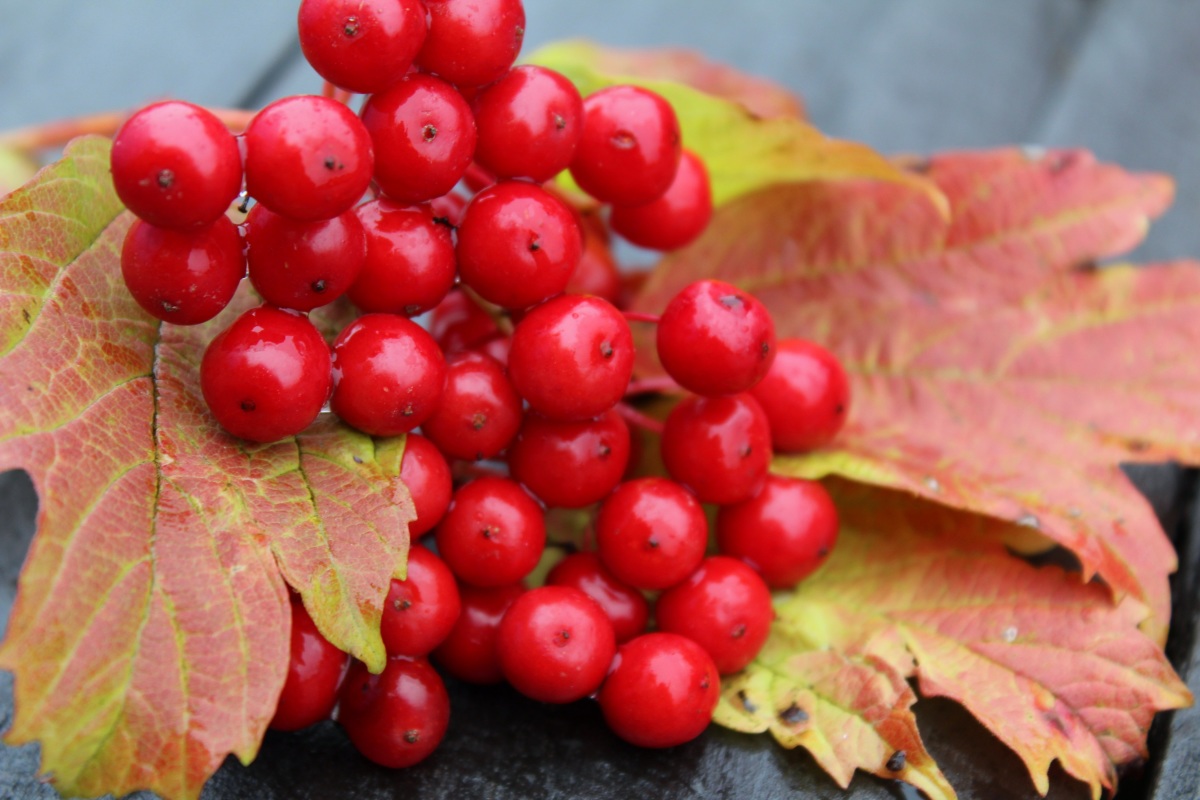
[149, 638]
[1048, 664]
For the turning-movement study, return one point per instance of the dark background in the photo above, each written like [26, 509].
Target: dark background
[1121, 77]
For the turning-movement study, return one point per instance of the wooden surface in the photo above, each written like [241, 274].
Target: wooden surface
[1121, 77]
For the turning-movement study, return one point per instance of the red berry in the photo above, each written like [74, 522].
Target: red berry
[469, 652]
[303, 265]
[409, 266]
[625, 607]
[176, 166]
[805, 395]
[424, 137]
[267, 375]
[572, 357]
[518, 244]
[448, 210]
[307, 157]
[675, 218]
[724, 607]
[714, 339]
[398, 717]
[493, 533]
[183, 277]
[479, 413]
[529, 123]
[570, 464]
[472, 42]
[630, 146]
[361, 45]
[424, 471]
[388, 374]
[458, 323]
[651, 533]
[785, 531]
[660, 691]
[421, 609]
[597, 272]
[314, 673]
[719, 447]
[555, 644]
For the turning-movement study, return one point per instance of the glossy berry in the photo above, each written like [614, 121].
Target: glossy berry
[572, 357]
[518, 244]
[661, 691]
[805, 395]
[469, 651]
[421, 609]
[459, 323]
[555, 644]
[424, 136]
[176, 166]
[303, 265]
[597, 272]
[426, 475]
[361, 45]
[719, 447]
[267, 375]
[398, 717]
[784, 532]
[650, 533]
[570, 464]
[674, 219]
[479, 413]
[714, 339]
[625, 607]
[472, 42]
[183, 277]
[529, 124]
[314, 673]
[388, 374]
[630, 146]
[724, 607]
[409, 265]
[493, 533]
[307, 157]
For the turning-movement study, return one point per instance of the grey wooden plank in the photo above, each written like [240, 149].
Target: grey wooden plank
[1132, 94]
[64, 58]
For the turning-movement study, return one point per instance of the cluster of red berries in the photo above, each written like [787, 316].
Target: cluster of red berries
[527, 359]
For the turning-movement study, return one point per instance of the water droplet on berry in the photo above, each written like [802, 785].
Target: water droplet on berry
[623, 140]
[732, 301]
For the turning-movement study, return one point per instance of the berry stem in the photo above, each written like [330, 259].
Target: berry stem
[638, 419]
[502, 320]
[663, 384]
[57, 133]
[641, 316]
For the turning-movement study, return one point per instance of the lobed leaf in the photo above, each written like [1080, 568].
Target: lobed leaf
[1048, 664]
[150, 634]
[743, 150]
[992, 368]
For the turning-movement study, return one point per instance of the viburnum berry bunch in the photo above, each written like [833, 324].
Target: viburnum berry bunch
[439, 196]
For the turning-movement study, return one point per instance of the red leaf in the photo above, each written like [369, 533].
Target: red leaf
[149, 637]
[991, 370]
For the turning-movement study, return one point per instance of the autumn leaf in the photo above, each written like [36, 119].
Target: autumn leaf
[992, 368]
[149, 638]
[1048, 664]
[743, 150]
